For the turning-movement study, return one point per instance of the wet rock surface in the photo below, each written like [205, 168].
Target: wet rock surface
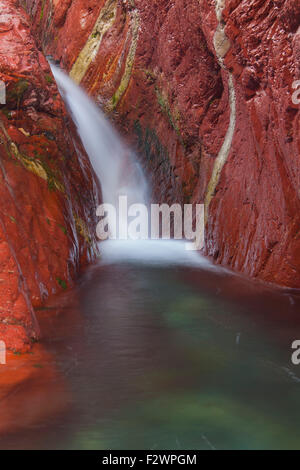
[254, 218]
[48, 196]
[162, 71]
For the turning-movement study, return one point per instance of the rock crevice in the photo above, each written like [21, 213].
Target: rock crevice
[46, 186]
[206, 83]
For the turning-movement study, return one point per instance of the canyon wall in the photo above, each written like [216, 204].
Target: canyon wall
[47, 190]
[203, 89]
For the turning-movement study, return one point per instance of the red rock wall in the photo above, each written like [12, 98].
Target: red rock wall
[46, 189]
[255, 215]
[204, 89]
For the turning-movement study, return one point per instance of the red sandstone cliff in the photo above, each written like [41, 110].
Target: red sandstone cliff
[204, 88]
[46, 188]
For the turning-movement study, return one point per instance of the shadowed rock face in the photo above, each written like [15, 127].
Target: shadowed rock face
[259, 235]
[47, 191]
[204, 89]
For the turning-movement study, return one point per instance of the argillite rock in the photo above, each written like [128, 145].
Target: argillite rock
[46, 187]
[204, 89]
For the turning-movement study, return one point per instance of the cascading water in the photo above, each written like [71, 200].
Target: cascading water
[114, 164]
[120, 174]
[158, 357]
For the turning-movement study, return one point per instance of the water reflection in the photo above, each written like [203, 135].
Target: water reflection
[32, 391]
[172, 357]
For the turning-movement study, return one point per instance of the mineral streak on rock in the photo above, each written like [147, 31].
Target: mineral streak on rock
[46, 187]
[222, 46]
[91, 48]
[204, 89]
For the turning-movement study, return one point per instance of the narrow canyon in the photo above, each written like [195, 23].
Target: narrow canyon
[205, 95]
[202, 89]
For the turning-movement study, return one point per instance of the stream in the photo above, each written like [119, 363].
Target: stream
[155, 347]
[169, 357]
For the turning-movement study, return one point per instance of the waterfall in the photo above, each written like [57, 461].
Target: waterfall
[114, 163]
[119, 174]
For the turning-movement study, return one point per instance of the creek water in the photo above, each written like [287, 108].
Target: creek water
[158, 349]
[169, 357]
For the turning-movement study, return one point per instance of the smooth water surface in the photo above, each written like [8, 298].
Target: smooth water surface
[156, 348]
[170, 357]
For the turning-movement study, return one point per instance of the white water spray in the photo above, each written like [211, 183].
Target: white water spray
[114, 164]
[119, 174]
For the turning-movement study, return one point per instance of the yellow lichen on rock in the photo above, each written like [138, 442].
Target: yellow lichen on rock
[33, 165]
[129, 63]
[89, 52]
[81, 228]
